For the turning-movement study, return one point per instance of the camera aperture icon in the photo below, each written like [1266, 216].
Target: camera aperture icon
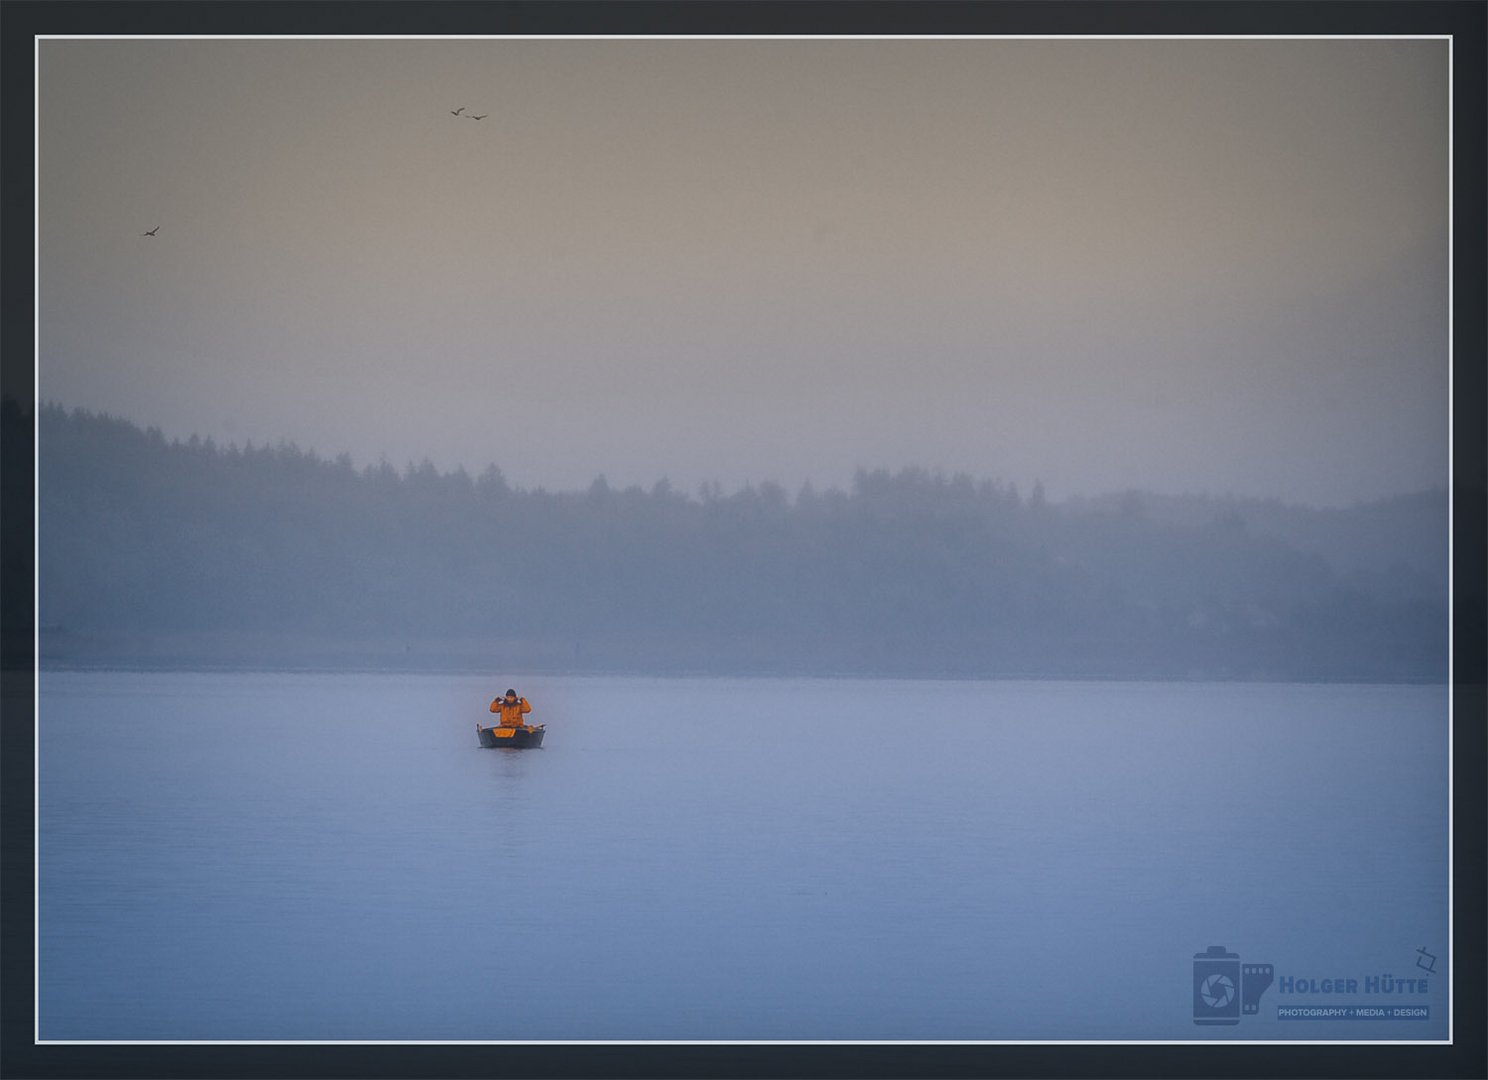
[1217, 991]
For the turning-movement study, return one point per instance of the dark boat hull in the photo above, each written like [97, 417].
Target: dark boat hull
[522, 738]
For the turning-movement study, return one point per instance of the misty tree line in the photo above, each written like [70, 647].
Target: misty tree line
[905, 573]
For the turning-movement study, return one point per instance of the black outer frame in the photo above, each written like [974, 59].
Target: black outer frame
[21, 20]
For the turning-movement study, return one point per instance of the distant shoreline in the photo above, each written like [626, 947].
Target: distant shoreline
[103, 666]
[165, 556]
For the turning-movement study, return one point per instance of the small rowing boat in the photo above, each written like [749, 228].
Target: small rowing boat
[526, 737]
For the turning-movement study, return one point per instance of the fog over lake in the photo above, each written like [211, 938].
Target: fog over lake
[972, 514]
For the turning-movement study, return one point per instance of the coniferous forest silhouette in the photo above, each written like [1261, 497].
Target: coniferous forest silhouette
[183, 553]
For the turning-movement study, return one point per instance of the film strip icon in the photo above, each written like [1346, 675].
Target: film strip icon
[1254, 978]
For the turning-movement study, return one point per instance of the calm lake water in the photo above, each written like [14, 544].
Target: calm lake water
[287, 856]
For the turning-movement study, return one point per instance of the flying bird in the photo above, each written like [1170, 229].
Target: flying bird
[457, 112]
[152, 232]
[482, 116]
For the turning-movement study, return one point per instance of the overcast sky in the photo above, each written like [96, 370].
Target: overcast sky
[1177, 265]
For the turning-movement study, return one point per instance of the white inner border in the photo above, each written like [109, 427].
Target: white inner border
[36, 305]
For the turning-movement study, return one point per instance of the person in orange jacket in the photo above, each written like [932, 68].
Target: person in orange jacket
[511, 708]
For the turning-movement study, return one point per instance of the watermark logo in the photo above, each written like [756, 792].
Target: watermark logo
[1224, 989]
